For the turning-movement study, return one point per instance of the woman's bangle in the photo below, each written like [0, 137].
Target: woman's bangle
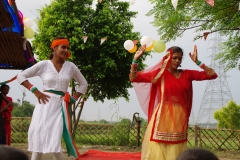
[198, 63]
[202, 65]
[134, 61]
[133, 71]
[29, 87]
[134, 65]
[33, 88]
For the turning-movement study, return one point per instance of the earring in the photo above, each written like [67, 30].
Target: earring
[52, 53]
[180, 65]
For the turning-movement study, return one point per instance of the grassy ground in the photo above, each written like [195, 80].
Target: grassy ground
[223, 155]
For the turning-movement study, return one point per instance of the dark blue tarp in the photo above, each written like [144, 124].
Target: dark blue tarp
[17, 27]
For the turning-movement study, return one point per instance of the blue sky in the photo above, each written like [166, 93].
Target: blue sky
[97, 110]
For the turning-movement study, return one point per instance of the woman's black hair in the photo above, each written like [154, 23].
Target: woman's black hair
[196, 154]
[51, 54]
[4, 85]
[175, 49]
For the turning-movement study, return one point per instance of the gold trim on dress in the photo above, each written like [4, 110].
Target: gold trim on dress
[166, 136]
[159, 110]
[162, 68]
[171, 136]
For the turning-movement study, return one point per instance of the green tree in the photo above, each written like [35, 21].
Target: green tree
[82, 121]
[106, 67]
[25, 110]
[103, 121]
[228, 116]
[125, 121]
[144, 122]
[224, 18]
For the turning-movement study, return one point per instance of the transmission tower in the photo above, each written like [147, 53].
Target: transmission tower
[192, 119]
[99, 115]
[217, 93]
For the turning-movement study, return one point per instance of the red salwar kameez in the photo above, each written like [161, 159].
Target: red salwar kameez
[167, 100]
[7, 117]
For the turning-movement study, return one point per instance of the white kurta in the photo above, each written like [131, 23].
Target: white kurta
[45, 131]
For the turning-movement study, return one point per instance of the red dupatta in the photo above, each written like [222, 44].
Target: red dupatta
[147, 93]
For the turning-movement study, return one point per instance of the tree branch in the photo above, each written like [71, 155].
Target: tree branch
[225, 29]
[189, 27]
[197, 20]
[181, 33]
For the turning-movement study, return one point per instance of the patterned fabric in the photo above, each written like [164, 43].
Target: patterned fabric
[175, 103]
[159, 151]
[158, 89]
[168, 102]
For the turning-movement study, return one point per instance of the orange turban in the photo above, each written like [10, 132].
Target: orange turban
[58, 42]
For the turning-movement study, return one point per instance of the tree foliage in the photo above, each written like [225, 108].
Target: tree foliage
[106, 67]
[224, 18]
[103, 121]
[125, 121]
[25, 110]
[144, 122]
[228, 116]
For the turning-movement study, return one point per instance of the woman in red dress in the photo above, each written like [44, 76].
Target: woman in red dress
[165, 94]
[7, 113]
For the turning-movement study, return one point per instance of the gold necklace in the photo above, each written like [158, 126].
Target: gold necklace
[57, 68]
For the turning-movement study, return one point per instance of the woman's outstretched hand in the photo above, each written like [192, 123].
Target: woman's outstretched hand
[139, 52]
[194, 55]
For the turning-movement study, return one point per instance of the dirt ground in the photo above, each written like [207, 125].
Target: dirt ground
[227, 155]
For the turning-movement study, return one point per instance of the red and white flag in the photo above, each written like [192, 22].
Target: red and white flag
[205, 34]
[102, 40]
[174, 3]
[132, 2]
[85, 38]
[210, 2]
